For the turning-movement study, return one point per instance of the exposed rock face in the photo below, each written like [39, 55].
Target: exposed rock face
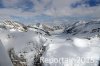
[37, 61]
[17, 61]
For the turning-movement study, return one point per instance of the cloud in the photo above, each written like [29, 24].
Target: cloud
[61, 8]
[25, 5]
[86, 3]
[54, 8]
[9, 3]
[81, 42]
[16, 15]
[20, 16]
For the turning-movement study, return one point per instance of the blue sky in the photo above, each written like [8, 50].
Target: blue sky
[48, 10]
[87, 3]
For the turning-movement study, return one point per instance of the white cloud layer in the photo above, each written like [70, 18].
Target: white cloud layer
[48, 7]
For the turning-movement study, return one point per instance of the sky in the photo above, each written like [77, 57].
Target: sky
[48, 10]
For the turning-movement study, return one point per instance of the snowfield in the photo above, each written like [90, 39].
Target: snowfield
[4, 58]
[79, 41]
[74, 48]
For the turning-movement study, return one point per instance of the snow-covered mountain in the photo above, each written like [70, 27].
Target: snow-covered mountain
[82, 27]
[13, 25]
[26, 44]
[38, 27]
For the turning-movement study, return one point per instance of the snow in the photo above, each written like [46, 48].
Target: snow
[4, 58]
[76, 47]
[58, 45]
[81, 42]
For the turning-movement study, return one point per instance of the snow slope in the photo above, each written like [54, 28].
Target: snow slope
[4, 58]
[24, 43]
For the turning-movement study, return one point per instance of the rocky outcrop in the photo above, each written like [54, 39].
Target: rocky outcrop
[17, 61]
